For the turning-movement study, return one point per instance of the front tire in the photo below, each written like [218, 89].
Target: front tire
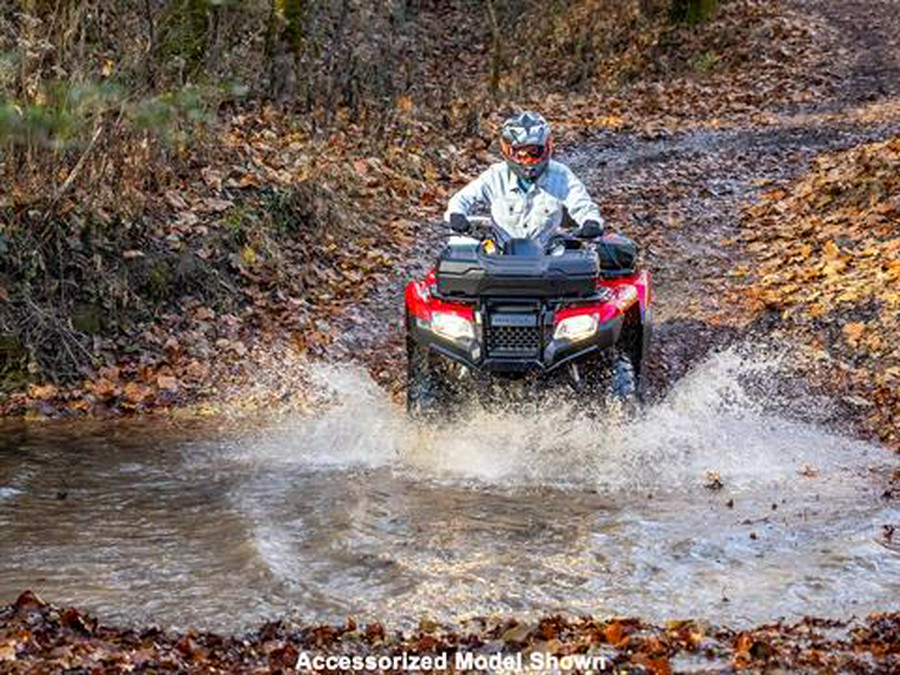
[609, 383]
[422, 399]
[623, 381]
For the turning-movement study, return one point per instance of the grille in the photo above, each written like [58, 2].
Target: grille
[514, 341]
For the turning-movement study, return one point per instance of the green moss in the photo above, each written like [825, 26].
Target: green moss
[289, 212]
[88, 319]
[693, 11]
[185, 33]
[13, 363]
[706, 62]
[236, 221]
[159, 280]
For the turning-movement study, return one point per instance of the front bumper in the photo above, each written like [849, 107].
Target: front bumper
[553, 355]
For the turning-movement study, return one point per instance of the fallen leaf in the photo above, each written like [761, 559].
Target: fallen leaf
[135, 392]
[204, 314]
[110, 373]
[616, 634]
[8, 650]
[248, 255]
[214, 205]
[42, 392]
[197, 371]
[249, 180]
[176, 200]
[853, 332]
[102, 388]
[167, 382]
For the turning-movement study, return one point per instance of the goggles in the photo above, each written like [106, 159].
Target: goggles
[528, 154]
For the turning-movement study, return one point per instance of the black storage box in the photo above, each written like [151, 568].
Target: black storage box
[466, 271]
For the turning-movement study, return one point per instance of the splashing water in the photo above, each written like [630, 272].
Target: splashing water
[355, 510]
[708, 422]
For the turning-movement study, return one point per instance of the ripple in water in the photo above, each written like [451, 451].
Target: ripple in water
[552, 511]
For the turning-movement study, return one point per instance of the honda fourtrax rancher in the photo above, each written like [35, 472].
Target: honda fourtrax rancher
[496, 309]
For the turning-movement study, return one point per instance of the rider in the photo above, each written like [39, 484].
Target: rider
[530, 195]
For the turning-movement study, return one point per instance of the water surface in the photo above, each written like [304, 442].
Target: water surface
[358, 512]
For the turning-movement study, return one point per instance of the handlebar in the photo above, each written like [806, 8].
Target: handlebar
[481, 228]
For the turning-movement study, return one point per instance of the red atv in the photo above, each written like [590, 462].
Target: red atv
[495, 309]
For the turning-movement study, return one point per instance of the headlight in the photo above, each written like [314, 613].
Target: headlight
[625, 295]
[576, 328]
[452, 326]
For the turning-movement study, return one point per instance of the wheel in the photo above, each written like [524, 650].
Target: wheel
[623, 384]
[422, 387]
[429, 391]
[609, 383]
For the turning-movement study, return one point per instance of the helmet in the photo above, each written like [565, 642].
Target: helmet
[526, 144]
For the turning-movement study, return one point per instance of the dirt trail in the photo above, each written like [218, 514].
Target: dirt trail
[680, 196]
[871, 32]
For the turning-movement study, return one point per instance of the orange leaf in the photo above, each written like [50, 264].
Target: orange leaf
[42, 392]
[110, 373]
[167, 382]
[197, 371]
[146, 373]
[657, 666]
[135, 392]
[831, 250]
[102, 388]
[615, 634]
[249, 180]
[853, 332]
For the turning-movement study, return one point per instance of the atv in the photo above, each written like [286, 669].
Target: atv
[496, 309]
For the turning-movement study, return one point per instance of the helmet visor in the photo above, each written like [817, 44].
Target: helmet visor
[528, 155]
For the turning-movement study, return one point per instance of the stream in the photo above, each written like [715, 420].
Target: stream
[356, 511]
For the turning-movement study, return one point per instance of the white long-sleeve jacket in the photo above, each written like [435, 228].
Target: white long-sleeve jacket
[527, 211]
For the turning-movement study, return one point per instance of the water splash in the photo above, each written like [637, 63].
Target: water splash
[708, 422]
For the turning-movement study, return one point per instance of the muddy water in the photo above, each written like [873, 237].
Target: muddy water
[357, 512]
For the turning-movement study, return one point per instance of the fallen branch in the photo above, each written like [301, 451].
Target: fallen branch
[73, 174]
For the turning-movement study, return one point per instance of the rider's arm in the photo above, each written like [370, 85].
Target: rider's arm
[579, 203]
[478, 192]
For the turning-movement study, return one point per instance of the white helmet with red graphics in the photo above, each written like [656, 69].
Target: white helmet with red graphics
[526, 144]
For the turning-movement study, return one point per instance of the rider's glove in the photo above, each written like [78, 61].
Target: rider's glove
[590, 230]
[459, 223]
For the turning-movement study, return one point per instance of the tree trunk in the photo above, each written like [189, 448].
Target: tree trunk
[693, 11]
[496, 50]
[150, 63]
